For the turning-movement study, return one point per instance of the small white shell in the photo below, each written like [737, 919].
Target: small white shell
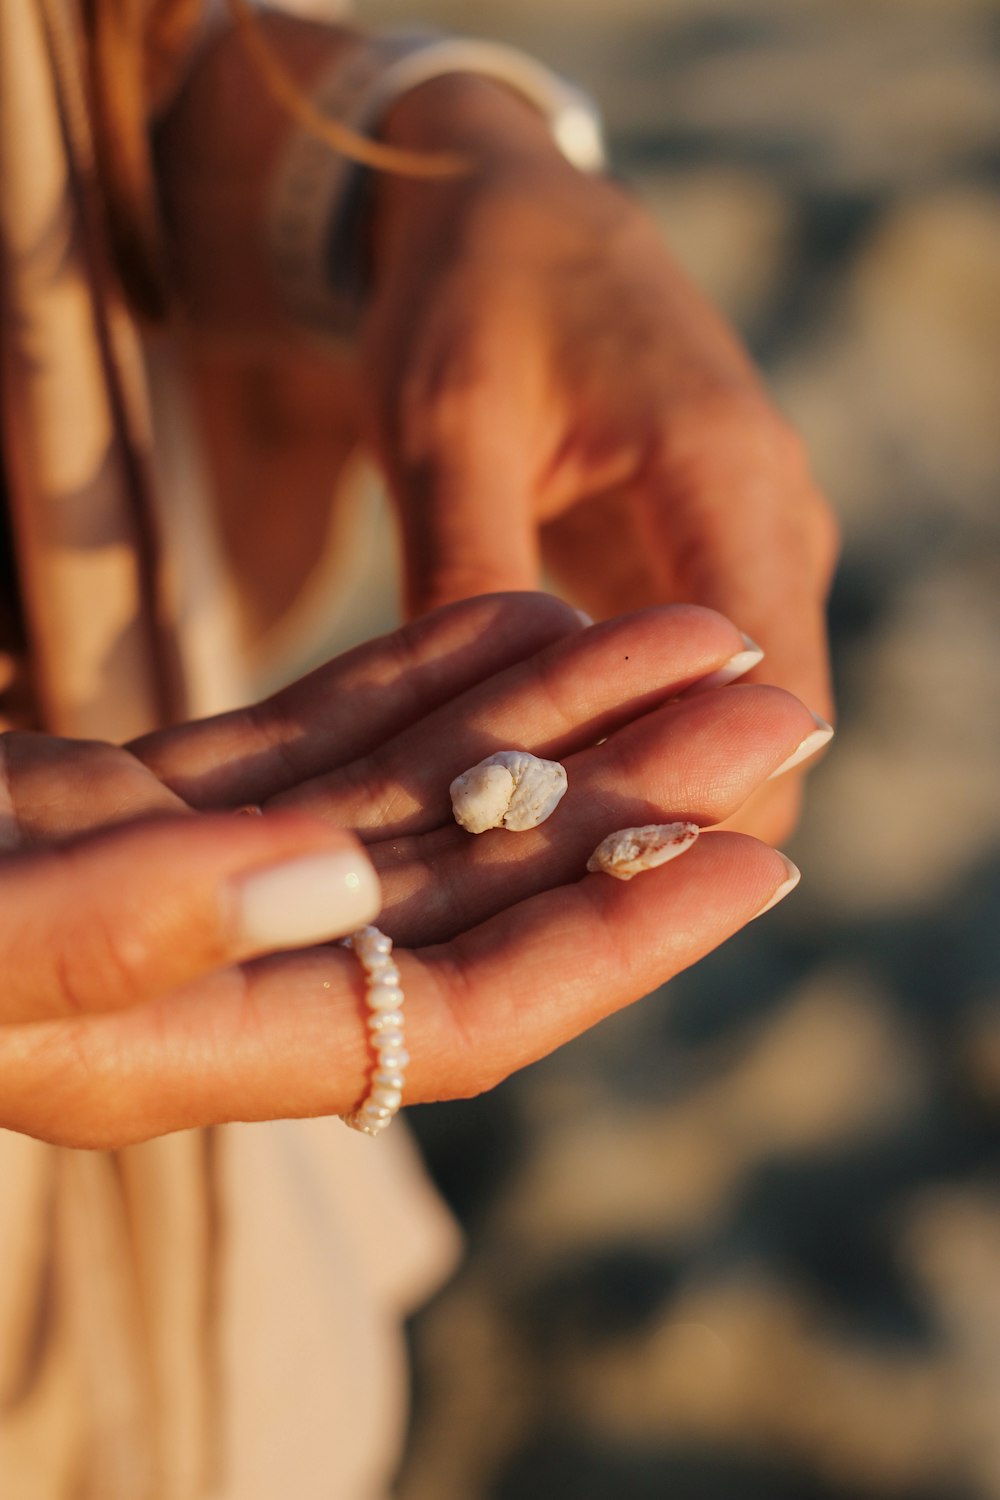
[510, 789]
[632, 850]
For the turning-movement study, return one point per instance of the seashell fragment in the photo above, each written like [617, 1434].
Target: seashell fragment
[632, 850]
[510, 789]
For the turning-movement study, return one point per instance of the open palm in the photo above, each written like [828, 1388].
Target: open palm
[131, 1017]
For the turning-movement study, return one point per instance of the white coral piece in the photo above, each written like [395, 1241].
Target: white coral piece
[632, 850]
[510, 789]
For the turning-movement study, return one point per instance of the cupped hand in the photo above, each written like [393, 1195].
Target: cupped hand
[139, 1003]
[547, 385]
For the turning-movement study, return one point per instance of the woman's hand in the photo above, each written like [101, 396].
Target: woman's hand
[138, 1005]
[546, 383]
[541, 381]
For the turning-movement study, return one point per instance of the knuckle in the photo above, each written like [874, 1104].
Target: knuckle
[730, 440]
[107, 951]
[101, 965]
[729, 423]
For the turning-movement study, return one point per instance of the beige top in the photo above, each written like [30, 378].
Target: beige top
[214, 1315]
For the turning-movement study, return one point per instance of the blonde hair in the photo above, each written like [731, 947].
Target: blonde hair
[133, 52]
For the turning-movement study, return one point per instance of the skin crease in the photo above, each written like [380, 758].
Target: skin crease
[134, 1007]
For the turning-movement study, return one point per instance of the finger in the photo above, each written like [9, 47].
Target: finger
[568, 696]
[344, 709]
[57, 788]
[122, 916]
[694, 760]
[466, 525]
[736, 523]
[552, 967]
[285, 1037]
[462, 461]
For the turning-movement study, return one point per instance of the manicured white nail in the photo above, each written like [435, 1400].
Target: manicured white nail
[737, 666]
[585, 619]
[307, 900]
[788, 884]
[820, 736]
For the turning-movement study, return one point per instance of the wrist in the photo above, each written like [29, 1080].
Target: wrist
[416, 97]
[474, 114]
[505, 136]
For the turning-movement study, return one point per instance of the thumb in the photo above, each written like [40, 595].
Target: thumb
[122, 916]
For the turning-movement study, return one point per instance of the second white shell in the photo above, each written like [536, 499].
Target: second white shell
[629, 851]
[510, 789]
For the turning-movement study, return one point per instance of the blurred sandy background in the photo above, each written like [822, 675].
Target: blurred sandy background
[744, 1240]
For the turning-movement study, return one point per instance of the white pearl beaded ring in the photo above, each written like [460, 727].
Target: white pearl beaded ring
[384, 998]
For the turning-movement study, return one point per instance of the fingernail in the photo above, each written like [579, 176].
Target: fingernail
[821, 735]
[308, 900]
[585, 619]
[736, 666]
[788, 884]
